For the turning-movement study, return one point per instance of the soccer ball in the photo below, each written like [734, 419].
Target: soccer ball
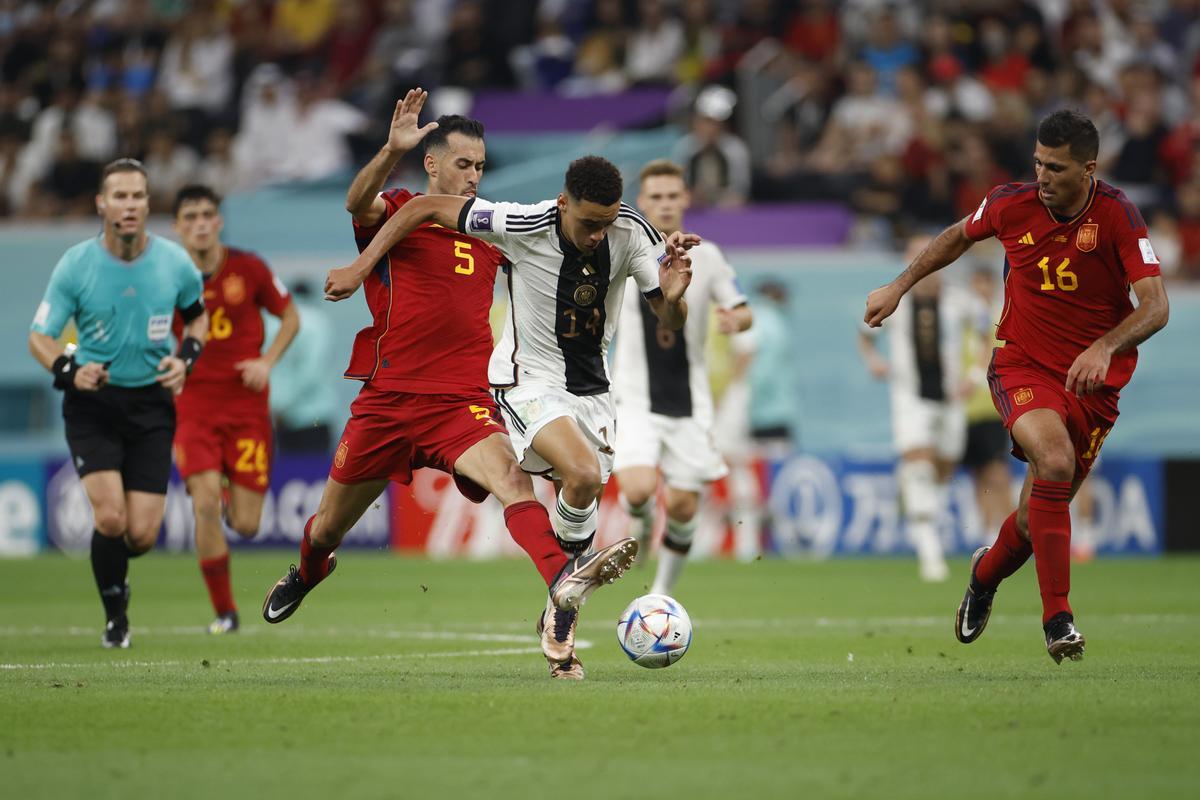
[654, 631]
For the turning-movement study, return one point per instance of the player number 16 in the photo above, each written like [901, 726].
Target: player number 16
[1067, 281]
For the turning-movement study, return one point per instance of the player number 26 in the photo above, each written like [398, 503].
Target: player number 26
[466, 263]
[1067, 281]
[252, 456]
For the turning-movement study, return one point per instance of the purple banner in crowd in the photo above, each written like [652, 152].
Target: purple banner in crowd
[778, 225]
[514, 112]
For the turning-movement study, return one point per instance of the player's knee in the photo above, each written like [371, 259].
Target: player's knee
[207, 506]
[636, 496]
[682, 508]
[244, 526]
[583, 479]
[1056, 465]
[141, 537]
[513, 485]
[110, 521]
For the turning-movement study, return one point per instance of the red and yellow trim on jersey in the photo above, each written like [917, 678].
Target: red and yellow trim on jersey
[1086, 207]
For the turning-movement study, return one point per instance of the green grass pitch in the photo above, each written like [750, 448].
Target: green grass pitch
[417, 679]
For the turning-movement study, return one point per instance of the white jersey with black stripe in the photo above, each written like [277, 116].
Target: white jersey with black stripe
[927, 335]
[563, 304]
[657, 370]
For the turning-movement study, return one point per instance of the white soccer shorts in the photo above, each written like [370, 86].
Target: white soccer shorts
[529, 407]
[921, 423]
[679, 445]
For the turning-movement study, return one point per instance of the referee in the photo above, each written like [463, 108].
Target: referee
[123, 289]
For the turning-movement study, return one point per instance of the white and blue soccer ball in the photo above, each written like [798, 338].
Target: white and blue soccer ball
[654, 631]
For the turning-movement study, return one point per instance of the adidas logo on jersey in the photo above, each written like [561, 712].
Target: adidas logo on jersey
[1027, 238]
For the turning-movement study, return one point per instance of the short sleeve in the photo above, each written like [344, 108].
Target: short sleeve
[726, 292]
[981, 224]
[1134, 250]
[393, 199]
[504, 224]
[271, 294]
[191, 283]
[59, 303]
[647, 250]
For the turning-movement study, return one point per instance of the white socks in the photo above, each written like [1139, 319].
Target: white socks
[920, 492]
[673, 555]
[574, 526]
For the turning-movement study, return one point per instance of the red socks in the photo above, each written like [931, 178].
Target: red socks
[1050, 529]
[1008, 554]
[314, 561]
[529, 525]
[216, 576]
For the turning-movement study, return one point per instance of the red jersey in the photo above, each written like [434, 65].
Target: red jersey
[1066, 282]
[234, 296]
[429, 300]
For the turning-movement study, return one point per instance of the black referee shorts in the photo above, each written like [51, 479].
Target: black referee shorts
[987, 441]
[126, 429]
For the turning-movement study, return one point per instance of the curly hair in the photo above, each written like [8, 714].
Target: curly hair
[594, 178]
[1070, 128]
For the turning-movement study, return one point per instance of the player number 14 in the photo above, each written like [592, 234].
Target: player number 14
[1067, 281]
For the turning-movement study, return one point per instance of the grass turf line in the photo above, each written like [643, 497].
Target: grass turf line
[837, 679]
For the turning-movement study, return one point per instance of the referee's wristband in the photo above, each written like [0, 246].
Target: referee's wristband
[64, 370]
[189, 350]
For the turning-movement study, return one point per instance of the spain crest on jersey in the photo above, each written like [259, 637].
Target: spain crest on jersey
[1023, 396]
[1087, 236]
[234, 288]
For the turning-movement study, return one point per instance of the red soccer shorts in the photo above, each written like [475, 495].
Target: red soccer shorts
[389, 434]
[238, 448]
[1018, 388]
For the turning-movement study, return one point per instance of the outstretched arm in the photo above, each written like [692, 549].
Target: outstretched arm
[945, 249]
[363, 200]
[444, 209]
[1091, 366]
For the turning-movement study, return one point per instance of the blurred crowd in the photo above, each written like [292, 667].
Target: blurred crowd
[907, 112]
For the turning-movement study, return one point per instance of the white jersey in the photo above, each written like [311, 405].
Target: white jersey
[659, 371]
[925, 337]
[563, 304]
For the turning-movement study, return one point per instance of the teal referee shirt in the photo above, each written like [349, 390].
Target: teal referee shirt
[122, 309]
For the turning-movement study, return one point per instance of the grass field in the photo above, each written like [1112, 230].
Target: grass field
[410, 678]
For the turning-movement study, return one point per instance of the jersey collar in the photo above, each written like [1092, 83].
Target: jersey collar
[1059, 220]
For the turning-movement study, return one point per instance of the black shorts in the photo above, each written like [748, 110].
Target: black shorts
[125, 429]
[986, 441]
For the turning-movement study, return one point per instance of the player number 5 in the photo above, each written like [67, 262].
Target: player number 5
[462, 251]
[1067, 281]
